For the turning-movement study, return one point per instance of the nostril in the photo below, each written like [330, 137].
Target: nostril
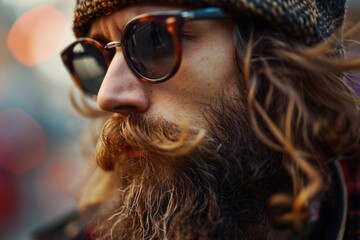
[126, 109]
[123, 101]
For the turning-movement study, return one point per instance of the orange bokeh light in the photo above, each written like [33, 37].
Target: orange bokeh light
[37, 35]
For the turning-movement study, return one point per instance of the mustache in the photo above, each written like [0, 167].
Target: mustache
[136, 132]
[200, 194]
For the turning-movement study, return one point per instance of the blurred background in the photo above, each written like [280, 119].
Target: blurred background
[40, 153]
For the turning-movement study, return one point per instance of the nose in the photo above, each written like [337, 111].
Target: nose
[121, 91]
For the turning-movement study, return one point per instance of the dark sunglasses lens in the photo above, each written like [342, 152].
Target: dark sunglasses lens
[90, 66]
[151, 50]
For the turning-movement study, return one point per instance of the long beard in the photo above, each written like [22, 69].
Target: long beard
[218, 190]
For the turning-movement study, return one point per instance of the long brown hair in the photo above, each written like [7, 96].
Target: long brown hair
[301, 105]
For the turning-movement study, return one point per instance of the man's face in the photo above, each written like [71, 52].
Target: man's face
[207, 192]
[206, 72]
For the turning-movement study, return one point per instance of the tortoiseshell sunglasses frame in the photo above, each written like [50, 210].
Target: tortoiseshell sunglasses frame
[172, 21]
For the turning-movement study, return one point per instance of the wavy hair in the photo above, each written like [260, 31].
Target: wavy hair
[300, 104]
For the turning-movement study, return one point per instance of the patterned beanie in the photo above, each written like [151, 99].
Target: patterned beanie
[310, 21]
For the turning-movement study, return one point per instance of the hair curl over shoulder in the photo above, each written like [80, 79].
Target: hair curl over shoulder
[299, 104]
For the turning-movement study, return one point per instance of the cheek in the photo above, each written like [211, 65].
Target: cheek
[208, 71]
[204, 74]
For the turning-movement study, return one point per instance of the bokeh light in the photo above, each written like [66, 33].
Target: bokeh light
[58, 182]
[9, 200]
[22, 141]
[37, 35]
[60, 175]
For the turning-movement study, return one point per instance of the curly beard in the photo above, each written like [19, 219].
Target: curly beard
[179, 188]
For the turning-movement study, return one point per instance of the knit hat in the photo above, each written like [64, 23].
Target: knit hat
[310, 21]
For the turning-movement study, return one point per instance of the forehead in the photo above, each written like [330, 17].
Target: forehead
[115, 22]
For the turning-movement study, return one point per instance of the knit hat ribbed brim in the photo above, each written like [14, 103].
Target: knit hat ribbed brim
[310, 21]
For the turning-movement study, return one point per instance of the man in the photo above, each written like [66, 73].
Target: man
[225, 120]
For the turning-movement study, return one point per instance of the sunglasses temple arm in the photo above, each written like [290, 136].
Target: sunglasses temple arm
[205, 13]
[112, 45]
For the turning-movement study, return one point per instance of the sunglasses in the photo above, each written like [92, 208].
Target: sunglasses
[150, 43]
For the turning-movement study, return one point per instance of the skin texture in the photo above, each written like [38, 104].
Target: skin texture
[202, 76]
